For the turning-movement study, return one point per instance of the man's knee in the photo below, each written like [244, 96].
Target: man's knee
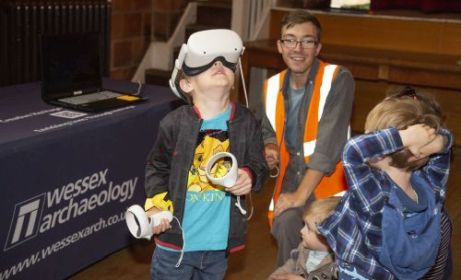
[288, 222]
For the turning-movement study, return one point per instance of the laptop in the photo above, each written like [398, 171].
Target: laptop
[72, 74]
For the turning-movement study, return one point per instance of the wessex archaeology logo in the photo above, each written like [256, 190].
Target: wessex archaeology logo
[24, 224]
[56, 207]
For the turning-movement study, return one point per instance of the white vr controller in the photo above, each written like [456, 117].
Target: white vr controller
[229, 179]
[140, 225]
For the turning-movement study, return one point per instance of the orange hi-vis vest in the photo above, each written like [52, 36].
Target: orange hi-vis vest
[275, 112]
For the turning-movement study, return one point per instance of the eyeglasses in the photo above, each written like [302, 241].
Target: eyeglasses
[304, 43]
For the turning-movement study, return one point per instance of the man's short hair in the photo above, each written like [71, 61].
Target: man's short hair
[401, 110]
[299, 17]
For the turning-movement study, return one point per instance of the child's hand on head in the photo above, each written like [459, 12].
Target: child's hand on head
[416, 137]
[242, 185]
[435, 146]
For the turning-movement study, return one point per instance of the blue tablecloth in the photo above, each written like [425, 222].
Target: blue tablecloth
[66, 179]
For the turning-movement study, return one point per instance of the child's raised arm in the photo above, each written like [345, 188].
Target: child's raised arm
[419, 139]
[435, 146]
[438, 152]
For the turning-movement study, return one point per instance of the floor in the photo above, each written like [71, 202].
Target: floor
[258, 260]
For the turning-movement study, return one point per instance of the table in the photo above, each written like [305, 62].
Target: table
[67, 177]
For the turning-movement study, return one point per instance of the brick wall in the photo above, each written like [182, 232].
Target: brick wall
[132, 23]
[130, 36]
[165, 16]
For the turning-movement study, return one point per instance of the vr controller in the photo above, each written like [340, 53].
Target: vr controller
[202, 50]
[140, 225]
[229, 179]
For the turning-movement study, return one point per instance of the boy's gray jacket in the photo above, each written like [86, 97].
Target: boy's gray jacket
[169, 162]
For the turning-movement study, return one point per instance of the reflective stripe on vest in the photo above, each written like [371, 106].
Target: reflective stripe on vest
[273, 87]
[327, 79]
[272, 93]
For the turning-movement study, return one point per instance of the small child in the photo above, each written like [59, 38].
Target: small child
[208, 225]
[313, 257]
[388, 225]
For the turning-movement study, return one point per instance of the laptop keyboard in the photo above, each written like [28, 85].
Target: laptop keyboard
[91, 97]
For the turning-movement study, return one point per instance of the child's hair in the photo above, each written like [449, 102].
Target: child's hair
[299, 17]
[401, 110]
[320, 209]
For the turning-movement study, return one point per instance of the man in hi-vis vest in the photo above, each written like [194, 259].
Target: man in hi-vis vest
[308, 109]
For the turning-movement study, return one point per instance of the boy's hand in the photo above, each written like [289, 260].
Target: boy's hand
[286, 276]
[434, 147]
[416, 137]
[164, 224]
[242, 185]
[272, 155]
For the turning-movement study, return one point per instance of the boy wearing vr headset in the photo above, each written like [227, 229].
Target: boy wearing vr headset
[208, 225]
[307, 113]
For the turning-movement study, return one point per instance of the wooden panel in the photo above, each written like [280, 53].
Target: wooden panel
[384, 32]
[368, 94]
[423, 77]
[274, 25]
[452, 31]
[439, 71]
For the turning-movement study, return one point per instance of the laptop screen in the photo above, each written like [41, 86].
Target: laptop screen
[70, 64]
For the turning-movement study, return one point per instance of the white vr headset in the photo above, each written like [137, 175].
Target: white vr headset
[202, 50]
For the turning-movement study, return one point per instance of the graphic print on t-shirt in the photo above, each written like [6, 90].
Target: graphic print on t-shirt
[206, 220]
[212, 142]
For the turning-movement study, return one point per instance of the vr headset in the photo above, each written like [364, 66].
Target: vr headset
[202, 50]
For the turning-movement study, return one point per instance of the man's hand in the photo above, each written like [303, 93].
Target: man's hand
[242, 185]
[286, 276]
[272, 155]
[287, 200]
[298, 198]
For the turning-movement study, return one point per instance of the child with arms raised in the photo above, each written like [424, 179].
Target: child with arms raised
[388, 225]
